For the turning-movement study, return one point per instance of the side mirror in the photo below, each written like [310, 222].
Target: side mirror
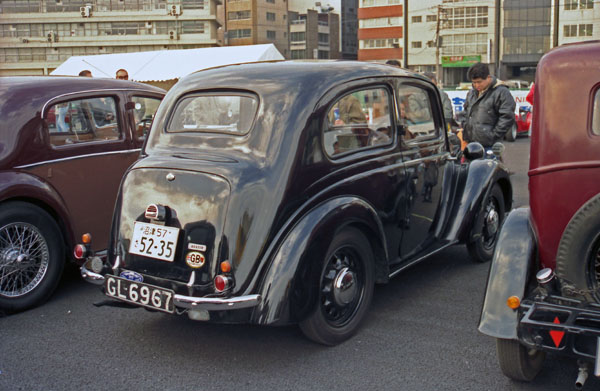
[474, 151]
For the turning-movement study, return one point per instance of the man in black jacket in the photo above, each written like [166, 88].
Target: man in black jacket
[489, 108]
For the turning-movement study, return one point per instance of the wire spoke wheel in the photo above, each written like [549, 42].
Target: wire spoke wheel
[487, 227]
[594, 272]
[491, 224]
[24, 259]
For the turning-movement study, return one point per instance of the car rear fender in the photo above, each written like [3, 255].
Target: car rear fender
[21, 186]
[473, 185]
[288, 287]
[510, 270]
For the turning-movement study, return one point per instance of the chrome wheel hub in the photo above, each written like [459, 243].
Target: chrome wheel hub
[24, 259]
[492, 222]
[344, 287]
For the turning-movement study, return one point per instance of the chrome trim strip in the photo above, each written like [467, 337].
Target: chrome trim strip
[78, 157]
[117, 264]
[597, 366]
[91, 277]
[216, 304]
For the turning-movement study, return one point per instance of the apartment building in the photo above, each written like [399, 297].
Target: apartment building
[314, 35]
[468, 35]
[422, 31]
[38, 35]
[578, 20]
[251, 22]
[380, 30]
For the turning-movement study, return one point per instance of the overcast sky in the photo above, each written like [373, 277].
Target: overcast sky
[303, 5]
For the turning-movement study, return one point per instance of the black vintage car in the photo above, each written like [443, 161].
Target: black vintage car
[276, 193]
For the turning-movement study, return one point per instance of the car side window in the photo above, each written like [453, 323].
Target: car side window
[596, 114]
[83, 121]
[143, 114]
[358, 120]
[416, 119]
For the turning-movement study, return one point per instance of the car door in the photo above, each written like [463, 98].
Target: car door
[141, 114]
[89, 148]
[425, 154]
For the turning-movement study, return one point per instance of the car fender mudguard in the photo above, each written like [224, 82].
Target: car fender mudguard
[26, 187]
[472, 187]
[288, 285]
[509, 273]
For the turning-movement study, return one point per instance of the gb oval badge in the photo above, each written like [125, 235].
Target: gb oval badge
[195, 259]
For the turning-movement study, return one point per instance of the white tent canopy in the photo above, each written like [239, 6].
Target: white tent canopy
[165, 65]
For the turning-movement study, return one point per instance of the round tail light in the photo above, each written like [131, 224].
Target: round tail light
[222, 283]
[80, 251]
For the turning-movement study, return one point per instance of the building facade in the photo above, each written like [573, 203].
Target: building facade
[38, 35]
[422, 32]
[252, 22]
[468, 31]
[578, 20]
[380, 30]
[314, 35]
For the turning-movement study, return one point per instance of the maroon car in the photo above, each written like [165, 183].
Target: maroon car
[65, 143]
[543, 292]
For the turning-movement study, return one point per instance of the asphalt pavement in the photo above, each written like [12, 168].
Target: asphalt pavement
[420, 334]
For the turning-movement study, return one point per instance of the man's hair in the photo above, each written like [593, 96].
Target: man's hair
[122, 70]
[478, 71]
[395, 63]
[85, 72]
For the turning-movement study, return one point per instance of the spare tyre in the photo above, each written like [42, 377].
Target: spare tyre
[578, 255]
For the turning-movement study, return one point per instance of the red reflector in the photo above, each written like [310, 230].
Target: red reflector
[80, 251]
[221, 283]
[151, 212]
[556, 335]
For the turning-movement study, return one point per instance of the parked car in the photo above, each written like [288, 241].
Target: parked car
[65, 143]
[543, 293]
[277, 193]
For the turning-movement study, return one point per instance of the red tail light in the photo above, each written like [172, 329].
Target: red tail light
[80, 251]
[222, 283]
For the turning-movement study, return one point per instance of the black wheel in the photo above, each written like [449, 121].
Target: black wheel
[31, 256]
[518, 362]
[346, 285]
[578, 255]
[511, 135]
[489, 220]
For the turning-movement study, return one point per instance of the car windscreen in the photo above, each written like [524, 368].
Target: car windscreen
[214, 113]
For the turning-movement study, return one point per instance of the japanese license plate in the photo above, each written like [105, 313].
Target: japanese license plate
[154, 241]
[139, 293]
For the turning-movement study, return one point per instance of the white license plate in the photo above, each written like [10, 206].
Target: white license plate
[154, 241]
[139, 293]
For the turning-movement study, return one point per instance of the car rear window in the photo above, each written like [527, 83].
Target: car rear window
[214, 113]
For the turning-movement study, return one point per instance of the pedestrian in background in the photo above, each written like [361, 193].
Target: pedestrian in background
[446, 104]
[85, 73]
[489, 108]
[122, 74]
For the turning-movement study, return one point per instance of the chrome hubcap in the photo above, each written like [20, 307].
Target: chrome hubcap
[344, 287]
[492, 221]
[24, 259]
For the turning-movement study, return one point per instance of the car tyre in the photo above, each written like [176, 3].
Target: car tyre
[346, 284]
[32, 256]
[487, 226]
[511, 135]
[517, 361]
[578, 255]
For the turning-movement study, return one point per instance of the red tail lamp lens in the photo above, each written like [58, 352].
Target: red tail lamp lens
[221, 283]
[80, 251]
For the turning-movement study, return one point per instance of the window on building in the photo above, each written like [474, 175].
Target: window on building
[237, 15]
[571, 4]
[271, 16]
[299, 36]
[585, 30]
[380, 22]
[298, 54]
[271, 34]
[323, 39]
[241, 33]
[323, 55]
[586, 4]
[431, 18]
[570, 30]
[271, 1]
[377, 3]
[416, 44]
[465, 17]
[416, 19]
